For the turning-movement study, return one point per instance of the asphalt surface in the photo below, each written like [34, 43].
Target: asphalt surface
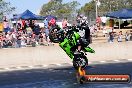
[63, 76]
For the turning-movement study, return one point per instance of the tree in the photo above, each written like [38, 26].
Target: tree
[88, 10]
[105, 7]
[59, 9]
[5, 8]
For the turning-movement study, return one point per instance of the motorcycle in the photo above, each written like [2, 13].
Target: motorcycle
[68, 40]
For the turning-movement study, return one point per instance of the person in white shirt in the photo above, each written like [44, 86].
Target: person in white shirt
[103, 20]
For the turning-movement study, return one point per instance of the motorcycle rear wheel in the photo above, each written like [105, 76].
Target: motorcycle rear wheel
[80, 61]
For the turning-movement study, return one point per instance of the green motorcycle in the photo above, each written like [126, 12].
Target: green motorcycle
[68, 40]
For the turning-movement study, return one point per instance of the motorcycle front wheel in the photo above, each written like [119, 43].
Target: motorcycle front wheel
[53, 34]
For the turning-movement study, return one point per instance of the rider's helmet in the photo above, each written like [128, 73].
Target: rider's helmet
[84, 21]
[79, 19]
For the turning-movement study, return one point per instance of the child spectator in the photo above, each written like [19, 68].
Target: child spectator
[119, 39]
[111, 37]
[126, 36]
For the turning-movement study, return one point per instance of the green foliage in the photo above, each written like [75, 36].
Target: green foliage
[105, 7]
[59, 9]
[88, 10]
[5, 7]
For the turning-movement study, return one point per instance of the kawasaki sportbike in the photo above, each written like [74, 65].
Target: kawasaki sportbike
[69, 40]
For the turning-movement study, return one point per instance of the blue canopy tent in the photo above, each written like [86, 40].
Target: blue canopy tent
[39, 17]
[121, 14]
[28, 15]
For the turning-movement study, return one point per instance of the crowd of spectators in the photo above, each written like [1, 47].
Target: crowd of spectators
[119, 36]
[23, 33]
[111, 34]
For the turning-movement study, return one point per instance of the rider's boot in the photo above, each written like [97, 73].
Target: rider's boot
[81, 71]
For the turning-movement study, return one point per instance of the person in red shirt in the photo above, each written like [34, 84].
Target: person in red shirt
[52, 22]
[98, 22]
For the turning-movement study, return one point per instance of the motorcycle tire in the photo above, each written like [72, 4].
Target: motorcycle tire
[82, 80]
[53, 34]
[77, 62]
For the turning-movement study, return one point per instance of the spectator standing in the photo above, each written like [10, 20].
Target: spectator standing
[5, 41]
[33, 40]
[9, 39]
[29, 31]
[103, 19]
[126, 36]
[130, 35]
[78, 18]
[19, 37]
[6, 25]
[14, 39]
[14, 23]
[47, 35]
[111, 37]
[64, 23]
[46, 23]
[95, 31]
[23, 40]
[52, 22]
[19, 25]
[23, 25]
[98, 22]
[1, 27]
[119, 39]
[36, 31]
[41, 38]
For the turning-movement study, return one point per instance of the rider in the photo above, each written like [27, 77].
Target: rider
[82, 24]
